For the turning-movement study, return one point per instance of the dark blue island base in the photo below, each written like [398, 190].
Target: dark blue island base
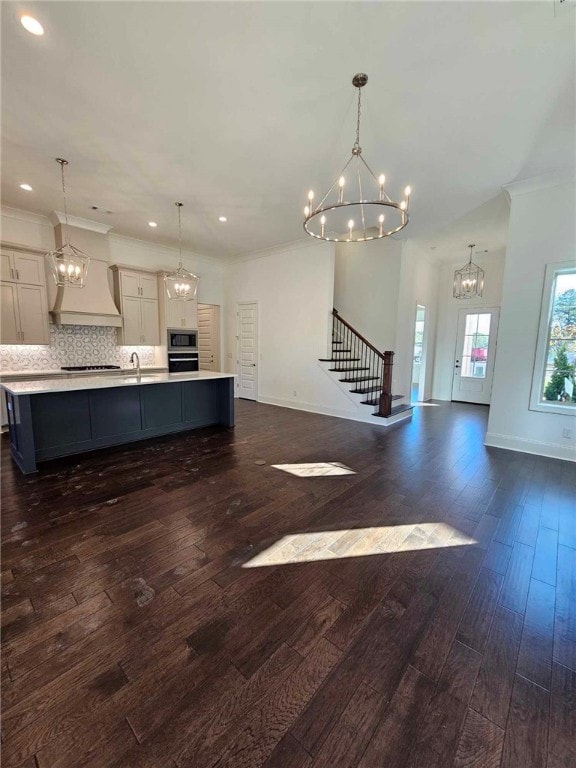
[53, 424]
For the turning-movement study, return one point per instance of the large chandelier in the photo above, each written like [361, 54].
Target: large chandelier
[468, 281]
[181, 285]
[356, 207]
[68, 264]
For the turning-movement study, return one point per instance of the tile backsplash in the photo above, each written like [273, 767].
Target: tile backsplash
[72, 345]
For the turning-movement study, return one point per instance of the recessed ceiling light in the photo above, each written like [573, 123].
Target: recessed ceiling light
[26, 187]
[32, 25]
[152, 224]
[223, 219]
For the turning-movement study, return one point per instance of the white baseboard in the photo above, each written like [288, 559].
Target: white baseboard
[297, 405]
[537, 447]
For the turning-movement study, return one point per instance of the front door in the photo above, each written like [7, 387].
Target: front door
[475, 352]
[208, 336]
[248, 350]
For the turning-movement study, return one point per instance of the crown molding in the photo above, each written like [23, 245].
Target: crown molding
[307, 242]
[21, 215]
[537, 183]
[135, 242]
[57, 217]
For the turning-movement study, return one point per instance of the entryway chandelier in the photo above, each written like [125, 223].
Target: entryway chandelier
[68, 264]
[181, 285]
[356, 207]
[468, 281]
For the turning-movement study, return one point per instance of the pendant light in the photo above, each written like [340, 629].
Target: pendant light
[468, 281]
[181, 285]
[356, 207]
[68, 264]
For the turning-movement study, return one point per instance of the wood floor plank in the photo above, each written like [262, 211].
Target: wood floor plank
[536, 646]
[517, 580]
[491, 697]
[561, 741]
[475, 625]
[525, 742]
[480, 744]
[565, 617]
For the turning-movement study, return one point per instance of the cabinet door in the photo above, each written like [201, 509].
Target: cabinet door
[150, 325]
[33, 314]
[7, 267]
[132, 332]
[10, 328]
[181, 314]
[29, 268]
[130, 284]
[148, 286]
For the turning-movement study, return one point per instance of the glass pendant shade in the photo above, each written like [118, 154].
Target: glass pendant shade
[182, 284]
[68, 264]
[468, 281]
[357, 206]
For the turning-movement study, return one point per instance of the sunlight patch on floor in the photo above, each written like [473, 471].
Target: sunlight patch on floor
[359, 542]
[316, 469]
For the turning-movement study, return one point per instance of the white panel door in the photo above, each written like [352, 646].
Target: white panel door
[475, 352]
[29, 268]
[208, 337]
[33, 314]
[150, 326]
[10, 317]
[132, 330]
[248, 351]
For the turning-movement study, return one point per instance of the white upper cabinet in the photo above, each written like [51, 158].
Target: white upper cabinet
[175, 313]
[25, 268]
[136, 296]
[24, 300]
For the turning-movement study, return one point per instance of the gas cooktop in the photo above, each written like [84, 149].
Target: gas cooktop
[90, 368]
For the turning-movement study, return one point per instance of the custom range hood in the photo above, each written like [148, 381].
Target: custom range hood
[93, 304]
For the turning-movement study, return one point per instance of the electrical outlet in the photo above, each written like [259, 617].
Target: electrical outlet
[568, 434]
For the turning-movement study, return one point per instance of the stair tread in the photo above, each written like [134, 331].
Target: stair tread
[366, 390]
[376, 400]
[338, 360]
[347, 370]
[358, 379]
[397, 409]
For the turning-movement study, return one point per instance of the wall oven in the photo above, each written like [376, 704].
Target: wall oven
[182, 362]
[182, 340]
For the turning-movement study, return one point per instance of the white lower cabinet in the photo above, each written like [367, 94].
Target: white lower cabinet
[24, 314]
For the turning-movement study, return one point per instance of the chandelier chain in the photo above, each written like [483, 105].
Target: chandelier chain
[357, 143]
[179, 206]
[62, 164]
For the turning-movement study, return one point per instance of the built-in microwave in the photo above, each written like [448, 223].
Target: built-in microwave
[182, 340]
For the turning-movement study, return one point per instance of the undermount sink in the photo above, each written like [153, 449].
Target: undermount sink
[135, 377]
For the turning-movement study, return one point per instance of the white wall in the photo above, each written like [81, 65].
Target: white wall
[448, 309]
[294, 288]
[542, 231]
[366, 279]
[417, 285]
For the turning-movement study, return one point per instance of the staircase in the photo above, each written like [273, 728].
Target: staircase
[365, 371]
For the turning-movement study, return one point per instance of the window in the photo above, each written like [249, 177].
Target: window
[475, 352]
[553, 386]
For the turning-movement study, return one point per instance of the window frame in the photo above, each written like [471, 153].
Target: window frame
[536, 404]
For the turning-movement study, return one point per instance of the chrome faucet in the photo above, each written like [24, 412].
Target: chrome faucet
[137, 363]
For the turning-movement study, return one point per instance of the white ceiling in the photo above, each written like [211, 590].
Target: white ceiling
[239, 108]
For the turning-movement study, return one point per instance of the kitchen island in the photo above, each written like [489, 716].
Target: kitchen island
[59, 417]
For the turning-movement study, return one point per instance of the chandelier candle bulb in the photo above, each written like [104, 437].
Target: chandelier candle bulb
[382, 181]
[341, 182]
[350, 227]
[322, 224]
[381, 220]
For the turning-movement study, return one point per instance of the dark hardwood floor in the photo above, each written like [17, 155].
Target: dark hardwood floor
[177, 603]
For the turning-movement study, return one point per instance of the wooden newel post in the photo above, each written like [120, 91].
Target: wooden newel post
[385, 405]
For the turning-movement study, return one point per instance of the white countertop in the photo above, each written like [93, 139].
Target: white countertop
[43, 386]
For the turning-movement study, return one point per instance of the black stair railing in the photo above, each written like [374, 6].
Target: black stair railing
[353, 352]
